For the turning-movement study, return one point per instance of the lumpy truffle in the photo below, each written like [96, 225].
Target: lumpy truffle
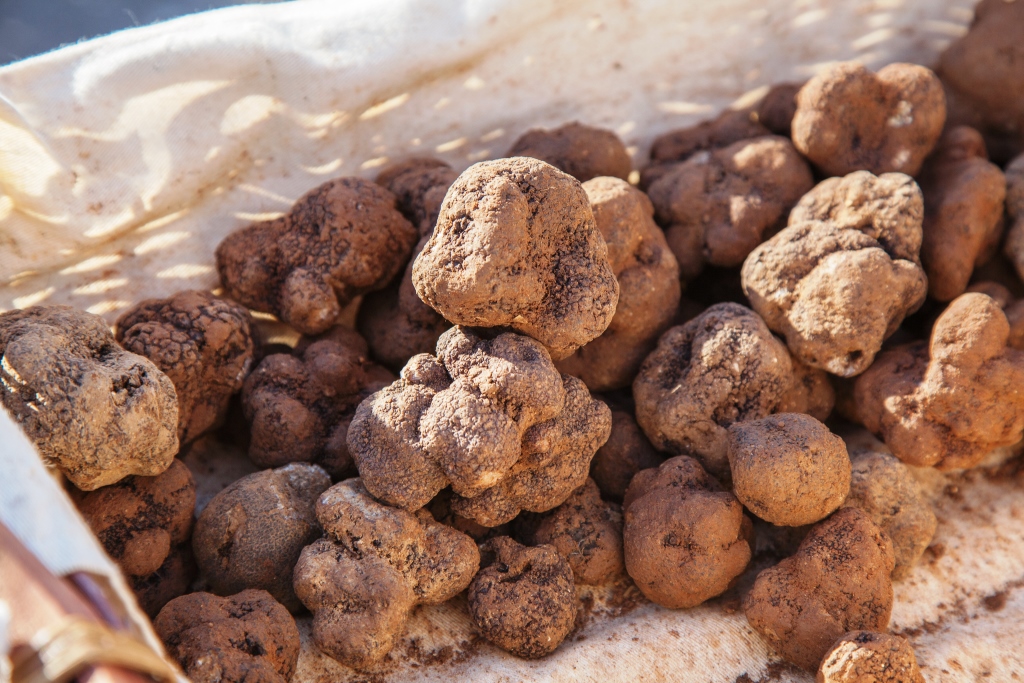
[584, 152]
[867, 656]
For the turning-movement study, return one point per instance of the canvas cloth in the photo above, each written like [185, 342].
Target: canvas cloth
[126, 159]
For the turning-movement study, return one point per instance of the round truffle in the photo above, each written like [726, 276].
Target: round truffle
[863, 656]
[626, 452]
[584, 152]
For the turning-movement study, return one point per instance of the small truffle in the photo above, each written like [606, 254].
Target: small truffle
[202, 343]
[299, 405]
[587, 532]
[811, 392]
[173, 578]
[516, 245]
[963, 211]
[685, 538]
[1015, 212]
[375, 564]
[716, 206]
[251, 533]
[869, 657]
[722, 367]
[523, 599]
[841, 278]
[246, 637]
[882, 487]
[837, 581]
[490, 417]
[850, 119]
[948, 402]
[649, 288]
[340, 240]
[626, 452]
[584, 152]
[95, 412]
[788, 469]
[777, 108]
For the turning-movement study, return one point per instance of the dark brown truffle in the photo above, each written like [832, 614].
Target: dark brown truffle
[340, 240]
[202, 343]
[1015, 212]
[869, 657]
[626, 452]
[584, 152]
[523, 599]
[95, 412]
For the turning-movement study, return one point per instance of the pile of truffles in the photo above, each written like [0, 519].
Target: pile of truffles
[563, 372]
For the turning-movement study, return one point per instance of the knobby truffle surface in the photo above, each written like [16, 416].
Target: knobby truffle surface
[883, 487]
[716, 206]
[523, 599]
[95, 412]
[685, 538]
[516, 245]
[251, 533]
[627, 451]
[374, 565]
[837, 581]
[950, 401]
[202, 343]
[870, 657]
[841, 278]
[1015, 213]
[649, 288]
[584, 152]
[963, 211]
[246, 637]
[850, 119]
[788, 469]
[340, 240]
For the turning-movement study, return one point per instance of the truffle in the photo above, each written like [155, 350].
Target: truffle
[490, 417]
[516, 245]
[837, 581]
[883, 487]
[716, 206]
[626, 452]
[251, 533]
[649, 288]
[173, 578]
[948, 402]
[95, 412]
[842, 277]
[523, 599]
[686, 539]
[811, 392]
[202, 343]
[375, 564]
[850, 119]
[299, 405]
[866, 656]
[1015, 213]
[963, 211]
[722, 367]
[246, 637]
[584, 152]
[788, 469]
[587, 532]
[340, 240]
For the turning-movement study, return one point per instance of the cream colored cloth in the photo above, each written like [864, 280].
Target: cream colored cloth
[126, 159]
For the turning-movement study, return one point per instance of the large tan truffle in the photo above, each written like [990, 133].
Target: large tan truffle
[716, 206]
[685, 538]
[837, 581]
[649, 288]
[396, 323]
[516, 245]
[202, 343]
[947, 403]
[96, 412]
[882, 487]
[492, 418]
[1015, 212]
[246, 637]
[963, 211]
[722, 367]
[870, 657]
[299, 405]
[788, 469]
[523, 600]
[251, 533]
[627, 451]
[340, 240]
[849, 119]
[374, 566]
[587, 532]
[841, 278]
[584, 152]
